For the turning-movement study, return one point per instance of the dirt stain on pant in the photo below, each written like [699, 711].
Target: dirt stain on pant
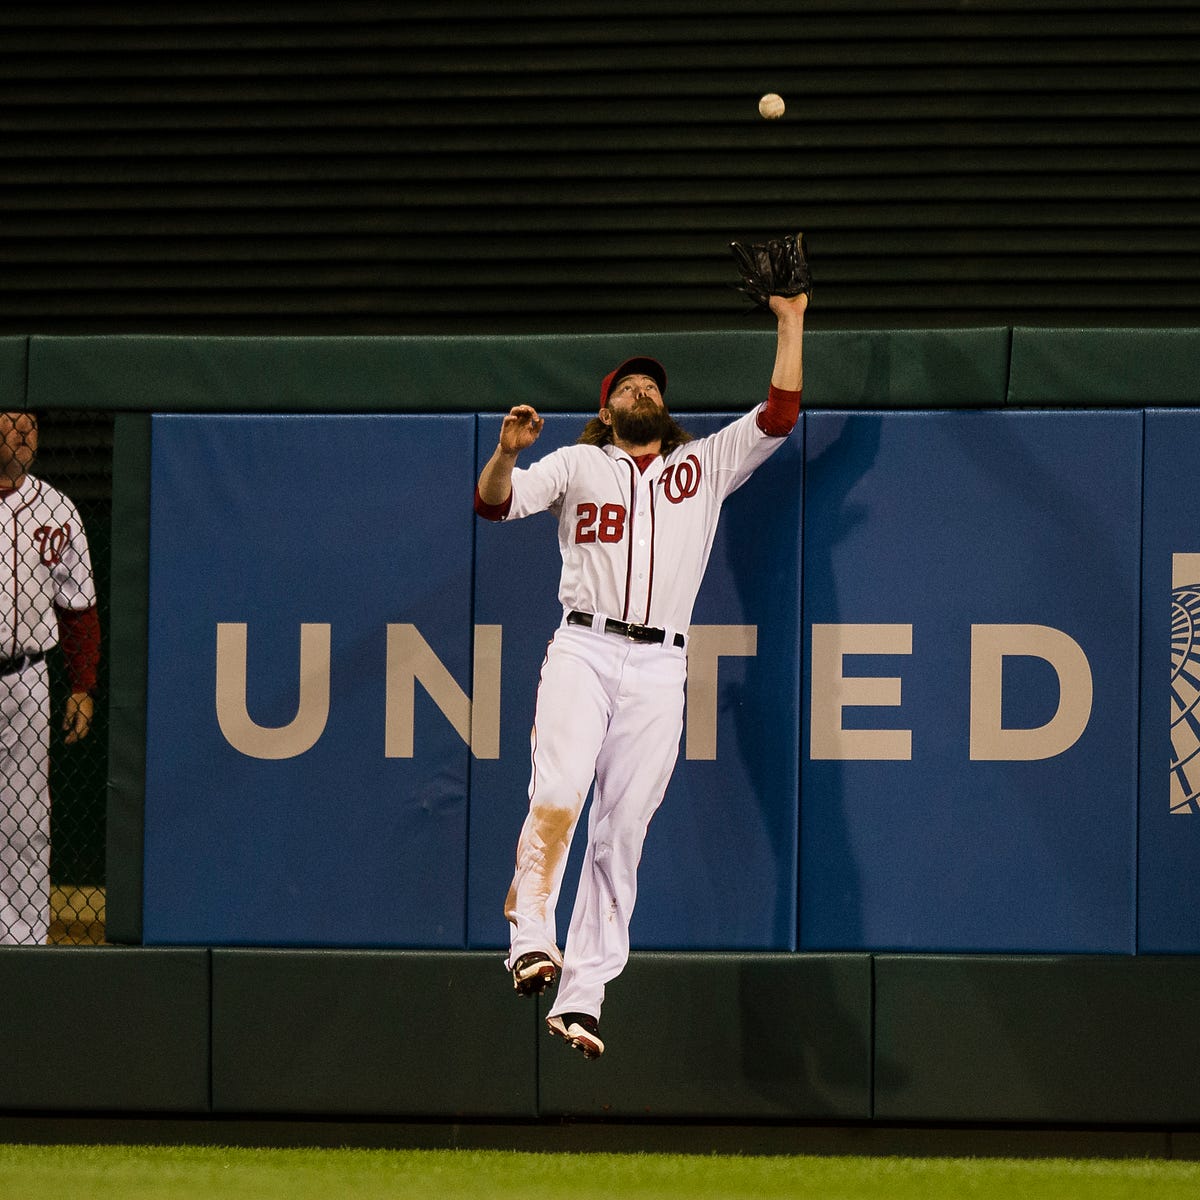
[539, 858]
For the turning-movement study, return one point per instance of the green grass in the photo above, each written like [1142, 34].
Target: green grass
[184, 1173]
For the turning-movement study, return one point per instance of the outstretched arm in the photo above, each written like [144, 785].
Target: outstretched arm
[788, 374]
[779, 415]
[518, 431]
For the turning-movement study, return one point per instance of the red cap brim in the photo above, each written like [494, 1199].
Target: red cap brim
[633, 366]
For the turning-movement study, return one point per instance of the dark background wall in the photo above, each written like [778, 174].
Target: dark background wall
[581, 165]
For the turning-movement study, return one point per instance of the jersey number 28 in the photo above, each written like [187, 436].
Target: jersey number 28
[605, 524]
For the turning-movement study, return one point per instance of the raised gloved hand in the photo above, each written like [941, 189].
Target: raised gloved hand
[775, 268]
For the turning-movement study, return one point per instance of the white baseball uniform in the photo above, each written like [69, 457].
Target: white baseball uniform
[635, 544]
[45, 565]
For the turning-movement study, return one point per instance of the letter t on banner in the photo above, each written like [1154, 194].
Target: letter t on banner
[706, 644]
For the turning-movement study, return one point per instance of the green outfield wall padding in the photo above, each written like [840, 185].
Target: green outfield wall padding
[127, 640]
[371, 1033]
[12, 372]
[711, 1036]
[706, 371]
[105, 1029]
[1054, 1039]
[1077, 367]
[907, 368]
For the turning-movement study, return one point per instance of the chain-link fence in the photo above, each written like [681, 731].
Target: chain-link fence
[55, 504]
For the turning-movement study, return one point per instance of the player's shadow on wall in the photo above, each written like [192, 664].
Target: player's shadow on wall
[830, 518]
[828, 1066]
[828, 509]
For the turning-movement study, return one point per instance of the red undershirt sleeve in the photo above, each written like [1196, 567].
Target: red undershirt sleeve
[79, 637]
[492, 512]
[778, 417]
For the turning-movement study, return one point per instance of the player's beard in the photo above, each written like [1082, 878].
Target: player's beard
[640, 424]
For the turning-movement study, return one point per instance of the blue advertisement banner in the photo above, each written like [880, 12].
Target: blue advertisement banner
[719, 864]
[309, 667]
[971, 609]
[343, 662]
[1169, 810]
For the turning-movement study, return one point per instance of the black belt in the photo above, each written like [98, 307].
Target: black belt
[635, 633]
[14, 666]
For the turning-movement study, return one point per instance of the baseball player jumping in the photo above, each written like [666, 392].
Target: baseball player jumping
[637, 502]
[49, 598]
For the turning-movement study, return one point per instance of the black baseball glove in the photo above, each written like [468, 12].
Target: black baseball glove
[775, 268]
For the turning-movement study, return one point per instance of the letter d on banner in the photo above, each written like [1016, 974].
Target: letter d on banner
[989, 646]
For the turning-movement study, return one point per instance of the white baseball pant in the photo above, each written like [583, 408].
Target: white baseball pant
[25, 806]
[612, 709]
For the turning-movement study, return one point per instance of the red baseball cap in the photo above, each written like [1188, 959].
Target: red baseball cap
[634, 366]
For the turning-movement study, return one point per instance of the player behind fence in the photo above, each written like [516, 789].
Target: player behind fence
[48, 598]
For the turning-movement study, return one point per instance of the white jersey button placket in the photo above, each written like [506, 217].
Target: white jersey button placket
[643, 549]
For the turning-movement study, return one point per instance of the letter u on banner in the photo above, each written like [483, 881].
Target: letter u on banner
[312, 712]
[989, 646]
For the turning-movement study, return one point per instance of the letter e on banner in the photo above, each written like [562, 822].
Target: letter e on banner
[833, 691]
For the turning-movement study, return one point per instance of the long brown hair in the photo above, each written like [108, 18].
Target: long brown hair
[597, 433]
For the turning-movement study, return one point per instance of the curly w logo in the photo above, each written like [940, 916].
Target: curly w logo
[681, 480]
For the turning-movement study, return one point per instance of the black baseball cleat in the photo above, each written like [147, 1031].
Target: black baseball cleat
[582, 1032]
[533, 973]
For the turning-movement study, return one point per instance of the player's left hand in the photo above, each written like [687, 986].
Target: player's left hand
[77, 718]
[775, 268]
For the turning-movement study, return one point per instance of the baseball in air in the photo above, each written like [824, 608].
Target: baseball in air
[771, 106]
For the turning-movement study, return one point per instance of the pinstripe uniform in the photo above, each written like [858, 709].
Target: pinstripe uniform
[46, 570]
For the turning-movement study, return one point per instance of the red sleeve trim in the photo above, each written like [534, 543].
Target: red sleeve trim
[492, 512]
[79, 637]
[778, 417]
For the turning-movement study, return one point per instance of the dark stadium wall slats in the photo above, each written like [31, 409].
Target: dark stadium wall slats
[581, 166]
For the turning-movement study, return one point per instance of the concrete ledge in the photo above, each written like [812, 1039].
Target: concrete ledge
[611, 1136]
